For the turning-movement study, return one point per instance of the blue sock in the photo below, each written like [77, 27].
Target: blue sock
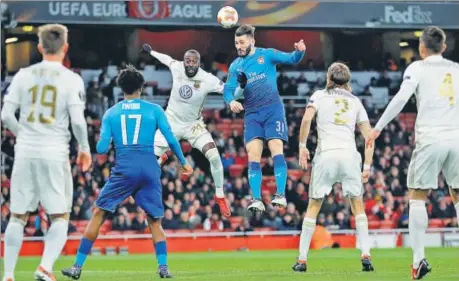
[83, 251]
[255, 179]
[280, 172]
[161, 252]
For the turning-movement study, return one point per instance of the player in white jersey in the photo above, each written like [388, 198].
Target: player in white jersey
[47, 94]
[190, 87]
[437, 133]
[337, 113]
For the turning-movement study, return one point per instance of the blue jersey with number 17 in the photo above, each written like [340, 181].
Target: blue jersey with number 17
[132, 125]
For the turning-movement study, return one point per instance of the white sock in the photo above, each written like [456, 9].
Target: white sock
[216, 168]
[361, 224]
[418, 222]
[309, 226]
[54, 243]
[14, 235]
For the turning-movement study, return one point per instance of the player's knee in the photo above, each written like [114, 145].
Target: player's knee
[313, 208]
[154, 222]
[418, 194]
[64, 216]
[20, 217]
[276, 146]
[214, 157]
[99, 213]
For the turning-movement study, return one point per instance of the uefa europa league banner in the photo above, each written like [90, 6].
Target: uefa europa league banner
[405, 15]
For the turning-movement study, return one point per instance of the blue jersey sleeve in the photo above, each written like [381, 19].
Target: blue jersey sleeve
[165, 129]
[278, 57]
[105, 134]
[230, 85]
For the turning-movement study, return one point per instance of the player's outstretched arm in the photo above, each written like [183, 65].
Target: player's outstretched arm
[163, 58]
[278, 57]
[165, 129]
[105, 134]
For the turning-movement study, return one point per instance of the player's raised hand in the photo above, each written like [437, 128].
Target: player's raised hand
[146, 48]
[236, 106]
[365, 176]
[187, 170]
[374, 134]
[304, 157]
[300, 46]
[242, 79]
[84, 160]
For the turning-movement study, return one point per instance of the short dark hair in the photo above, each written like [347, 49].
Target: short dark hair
[245, 29]
[130, 80]
[433, 38]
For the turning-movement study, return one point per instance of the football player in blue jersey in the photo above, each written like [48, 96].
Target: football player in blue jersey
[255, 71]
[132, 124]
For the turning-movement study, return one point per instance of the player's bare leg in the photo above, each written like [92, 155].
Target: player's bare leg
[307, 230]
[276, 146]
[216, 168]
[417, 225]
[454, 193]
[361, 223]
[159, 241]
[254, 149]
[14, 235]
[54, 243]
[89, 237]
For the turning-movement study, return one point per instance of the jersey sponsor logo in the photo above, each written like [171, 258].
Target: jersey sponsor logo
[185, 92]
[261, 60]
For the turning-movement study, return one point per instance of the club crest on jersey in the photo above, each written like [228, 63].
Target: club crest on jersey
[261, 60]
[197, 84]
[185, 92]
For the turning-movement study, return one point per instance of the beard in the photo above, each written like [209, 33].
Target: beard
[191, 71]
[246, 53]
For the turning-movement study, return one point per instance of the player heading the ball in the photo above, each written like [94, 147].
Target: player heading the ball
[255, 71]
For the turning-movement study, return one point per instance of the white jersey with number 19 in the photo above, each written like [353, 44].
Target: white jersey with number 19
[44, 92]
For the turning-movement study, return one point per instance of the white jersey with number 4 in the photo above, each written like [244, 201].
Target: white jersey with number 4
[44, 92]
[189, 94]
[338, 111]
[437, 94]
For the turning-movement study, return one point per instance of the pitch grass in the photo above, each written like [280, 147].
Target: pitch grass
[330, 264]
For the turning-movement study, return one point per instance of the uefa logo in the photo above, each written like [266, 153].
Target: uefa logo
[185, 92]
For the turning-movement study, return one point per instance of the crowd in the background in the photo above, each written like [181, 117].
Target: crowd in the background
[189, 203]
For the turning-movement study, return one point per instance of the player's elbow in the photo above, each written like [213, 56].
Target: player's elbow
[102, 147]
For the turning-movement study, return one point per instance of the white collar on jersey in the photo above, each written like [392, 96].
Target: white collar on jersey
[434, 58]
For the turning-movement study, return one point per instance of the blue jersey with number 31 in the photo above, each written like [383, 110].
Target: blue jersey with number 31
[132, 125]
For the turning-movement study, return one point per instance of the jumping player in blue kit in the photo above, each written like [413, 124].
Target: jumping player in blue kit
[132, 125]
[255, 71]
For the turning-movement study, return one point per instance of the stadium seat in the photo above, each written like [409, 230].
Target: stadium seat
[101, 159]
[374, 224]
[226, 121]
[435, 223]
[236, 221]
[236, 170]
[387, 224]
[96, 123]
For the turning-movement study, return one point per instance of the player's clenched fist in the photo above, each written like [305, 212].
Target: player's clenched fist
[84, 160]
[236, 106]
[187, 170]
[146, 48]
[300, 46]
